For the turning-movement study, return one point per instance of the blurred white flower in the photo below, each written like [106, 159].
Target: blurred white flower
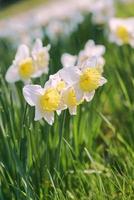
[64, 25]
[27, 65]
[102, 11]
[68, 60]
[41, 57]
[55, 29]
[122, 31]
[22, 67]
[92, 50]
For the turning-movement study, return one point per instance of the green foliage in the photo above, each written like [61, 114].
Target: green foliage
[97, 148]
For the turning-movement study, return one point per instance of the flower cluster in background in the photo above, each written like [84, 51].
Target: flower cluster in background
[60, 20]
[56, 19]
[29, 64]
[90, 50]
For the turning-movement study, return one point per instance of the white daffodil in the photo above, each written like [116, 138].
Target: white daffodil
[41, 57]
[22, 67]
[85, 80]
[102, 11]
[68, 60]
[46, 100]
[64, 87]
[122, 31]
[92, 50]
[68, 97]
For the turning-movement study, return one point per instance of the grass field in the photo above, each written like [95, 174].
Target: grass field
[96, 158]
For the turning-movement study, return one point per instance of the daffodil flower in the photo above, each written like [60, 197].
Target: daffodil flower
[91, 50]
[22, 67]
[122, 31]
[27, 65]
[41, 57]
[45, 100]
[85, 80]
[68, 97]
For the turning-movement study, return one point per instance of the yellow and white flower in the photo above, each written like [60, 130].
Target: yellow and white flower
[122, 31]
[85, 80]
[46, 100]
[68, 97]
[22, 67]
[91, 50]
[27, 65]
[41, 57]
[68, 60]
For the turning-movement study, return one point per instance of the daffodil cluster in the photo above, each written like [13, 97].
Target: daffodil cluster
[29, 64]
[90, 50]
[66, 89]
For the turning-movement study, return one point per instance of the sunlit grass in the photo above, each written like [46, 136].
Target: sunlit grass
[125, 10]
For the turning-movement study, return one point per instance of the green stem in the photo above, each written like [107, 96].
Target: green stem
[60, 142]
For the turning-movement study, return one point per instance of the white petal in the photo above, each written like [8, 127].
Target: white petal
[37, 74]
[89, 63]
[70, 74]
[89, 44]
[100, 50]
[31, 94]
[38, 114]
[12, 74]
[79, 93]
[22, 53]
[49, 117]
[68, 60]
[37, 45]
[103, 81]
[73, 110]
[53, 80]
[58, 112]
[89, 96]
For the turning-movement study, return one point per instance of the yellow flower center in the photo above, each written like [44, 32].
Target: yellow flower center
[42, 59]
[70, 98]
[60, 86]
[123, 34]
[89, 80]
[26, 68]
[50, 100]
